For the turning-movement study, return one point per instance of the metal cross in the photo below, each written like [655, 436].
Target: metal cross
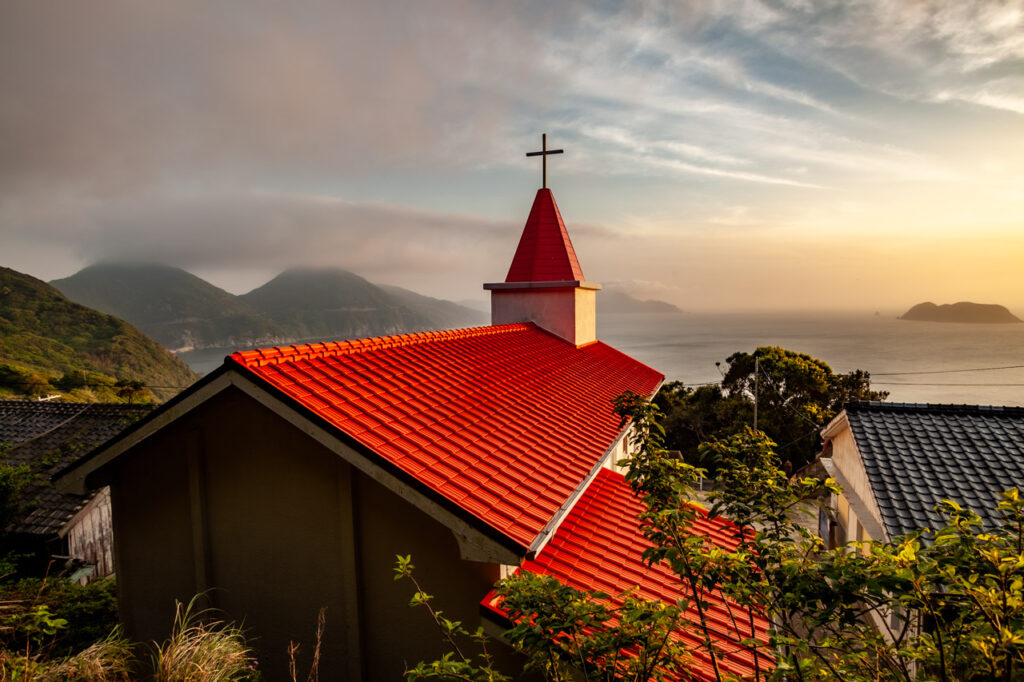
[543, 154]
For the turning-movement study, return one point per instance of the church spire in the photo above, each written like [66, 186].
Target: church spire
[545, 252]
[545, 282]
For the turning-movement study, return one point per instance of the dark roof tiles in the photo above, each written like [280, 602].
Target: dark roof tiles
[48, 436]
[917, 454]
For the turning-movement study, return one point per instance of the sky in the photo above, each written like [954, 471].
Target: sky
[721, 155]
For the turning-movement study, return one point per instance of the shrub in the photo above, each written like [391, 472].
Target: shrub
[88, 612]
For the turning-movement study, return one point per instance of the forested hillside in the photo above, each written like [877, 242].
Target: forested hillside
[49, 344]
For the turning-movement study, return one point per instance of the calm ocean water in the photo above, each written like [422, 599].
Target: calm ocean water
[686, 347]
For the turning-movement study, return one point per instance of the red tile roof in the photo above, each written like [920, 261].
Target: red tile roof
[545, 253]
[503, 421]
[599, 547]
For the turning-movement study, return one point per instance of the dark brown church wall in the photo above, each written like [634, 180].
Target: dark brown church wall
[272, 509]
[397, 634]
[152, 540]
[234, 500]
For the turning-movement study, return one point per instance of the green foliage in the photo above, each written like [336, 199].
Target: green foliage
[57, 615]
[108, 660]
[455, 664]
[796, 396]
[21, 381]
[944, 605]
[936, 605]
[12, 480]
[44, 337]
[564, 632]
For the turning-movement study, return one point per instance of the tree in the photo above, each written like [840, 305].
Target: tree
[935, 605]
[795, 395]
[131, 390]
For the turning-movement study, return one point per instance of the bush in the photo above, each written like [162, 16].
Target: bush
[88, 613]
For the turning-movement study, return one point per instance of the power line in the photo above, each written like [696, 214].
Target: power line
[922, 383]
[950, 371]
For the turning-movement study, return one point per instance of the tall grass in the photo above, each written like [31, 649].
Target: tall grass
[108, 660]
[202, 648]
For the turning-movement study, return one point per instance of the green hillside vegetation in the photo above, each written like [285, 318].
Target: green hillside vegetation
[174, 307]
[49, 344]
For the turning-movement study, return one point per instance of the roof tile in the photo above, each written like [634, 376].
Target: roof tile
[918, 454]
[426, 396]
[599, 546]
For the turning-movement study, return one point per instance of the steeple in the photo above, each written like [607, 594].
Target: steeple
[545, 253]
[545, 282]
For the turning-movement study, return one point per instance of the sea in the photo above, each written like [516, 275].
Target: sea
[917, 362]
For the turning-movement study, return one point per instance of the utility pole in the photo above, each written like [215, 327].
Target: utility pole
[757, 372]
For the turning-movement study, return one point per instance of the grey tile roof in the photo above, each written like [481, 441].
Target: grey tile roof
[918, 454]
[48, 436]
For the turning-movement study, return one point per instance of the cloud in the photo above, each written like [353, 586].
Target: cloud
[387, 137]
[270, 231]
[114, 95]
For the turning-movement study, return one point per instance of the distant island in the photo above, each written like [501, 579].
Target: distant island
[978, 313]
[615, 301]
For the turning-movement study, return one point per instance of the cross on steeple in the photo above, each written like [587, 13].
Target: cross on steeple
[543, 154]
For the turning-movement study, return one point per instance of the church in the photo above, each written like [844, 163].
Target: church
[288, 479]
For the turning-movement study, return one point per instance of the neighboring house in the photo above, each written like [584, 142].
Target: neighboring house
[896, 461]
[289, 478]
[48, 437]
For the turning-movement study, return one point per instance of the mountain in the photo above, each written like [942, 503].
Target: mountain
[319, 303]
[173, 306]
[445, 314]
[984, 313]
[615, 301]
[43, 336]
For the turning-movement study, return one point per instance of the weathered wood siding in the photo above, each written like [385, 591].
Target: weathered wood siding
[91, 537]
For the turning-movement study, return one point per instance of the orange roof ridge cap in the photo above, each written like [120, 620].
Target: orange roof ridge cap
[320, 349]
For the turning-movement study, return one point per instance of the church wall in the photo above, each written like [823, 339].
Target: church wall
[274, 534]
[152, 540]
[281, 526]
[401, 634]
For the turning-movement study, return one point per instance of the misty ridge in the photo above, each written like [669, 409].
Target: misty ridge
[183, 312]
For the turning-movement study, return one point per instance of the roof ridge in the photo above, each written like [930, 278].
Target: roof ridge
[941, 408]
[297, 352]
